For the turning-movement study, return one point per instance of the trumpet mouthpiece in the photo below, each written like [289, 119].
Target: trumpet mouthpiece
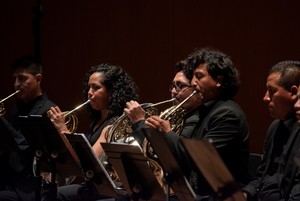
[163, 102]
[78, 107]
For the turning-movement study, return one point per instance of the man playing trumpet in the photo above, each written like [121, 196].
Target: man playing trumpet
[17, 179]
[217, 118]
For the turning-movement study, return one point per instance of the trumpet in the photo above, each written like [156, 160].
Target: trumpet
[71, 120]
[2, 108]
[121, 130]
[176, 116]
[168, 114]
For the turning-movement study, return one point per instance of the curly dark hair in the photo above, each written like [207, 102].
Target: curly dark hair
[121, 86]
[180, 67]
[218, 64]
[290, 73]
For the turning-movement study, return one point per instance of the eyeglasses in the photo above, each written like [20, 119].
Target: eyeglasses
[178, 86]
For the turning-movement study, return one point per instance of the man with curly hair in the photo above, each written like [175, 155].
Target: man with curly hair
[221, 120]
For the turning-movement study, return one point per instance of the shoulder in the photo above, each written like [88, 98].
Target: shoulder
[228, 107]
[47, 102]
[111, 120]
[271, 130]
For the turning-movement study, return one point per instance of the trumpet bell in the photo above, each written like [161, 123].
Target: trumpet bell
[121, 130]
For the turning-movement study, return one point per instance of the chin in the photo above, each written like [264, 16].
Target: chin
[176, 102]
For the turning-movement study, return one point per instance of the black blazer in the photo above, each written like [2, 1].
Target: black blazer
[20, 163]
[224, 123]
[255, 185]
[289, 170]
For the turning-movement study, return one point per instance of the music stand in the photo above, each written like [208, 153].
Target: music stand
[177, 180]
[93, 169]
[7, 142]
[210, 164]
[134, 171]
[53, 151]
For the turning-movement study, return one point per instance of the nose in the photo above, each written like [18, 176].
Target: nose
[266, 97]
[17, 83]
[90, 93]
[297, 105]
[174, 92]
[193, 83]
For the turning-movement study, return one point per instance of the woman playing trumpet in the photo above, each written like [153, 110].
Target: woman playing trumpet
[108, 88]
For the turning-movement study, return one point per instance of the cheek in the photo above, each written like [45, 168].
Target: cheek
[102, 97]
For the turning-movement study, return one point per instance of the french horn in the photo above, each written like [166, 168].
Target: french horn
[176, 116]
[121, 131]
[2, 108]
[71, 120]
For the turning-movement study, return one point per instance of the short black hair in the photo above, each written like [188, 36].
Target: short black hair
[29, 63]
[290, 73]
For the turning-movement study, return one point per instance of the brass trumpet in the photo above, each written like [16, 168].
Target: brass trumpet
[2, 108]
[121, 130]
[176, 116]
[71, 120]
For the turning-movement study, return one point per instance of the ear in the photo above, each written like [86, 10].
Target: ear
[219, 81]
[38, 77]
[294, 91]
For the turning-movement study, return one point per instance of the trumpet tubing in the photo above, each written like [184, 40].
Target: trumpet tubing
[77, 108]
[2, 108]
[176, 116]
[121, 129]
[165, 115]
[71, 120]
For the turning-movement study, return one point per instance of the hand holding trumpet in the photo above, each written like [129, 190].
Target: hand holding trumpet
[134, 111]
[58, 119]
[157, 122]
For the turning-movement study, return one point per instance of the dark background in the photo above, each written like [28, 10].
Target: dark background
[147, 38]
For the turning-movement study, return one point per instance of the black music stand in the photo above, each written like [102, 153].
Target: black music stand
[175, 177]
[134, 171]
[7, 142]
[52, 150]
[93, 169]
[210, 164]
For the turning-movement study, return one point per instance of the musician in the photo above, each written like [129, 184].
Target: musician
[276, 174]
[180, 89]
[290, 185]
[108, 88]
[221, 120]
[31, 100]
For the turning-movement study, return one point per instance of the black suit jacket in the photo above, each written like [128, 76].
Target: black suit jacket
[224, 123]
[254, 187]
[289, 171]
[20, 163]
